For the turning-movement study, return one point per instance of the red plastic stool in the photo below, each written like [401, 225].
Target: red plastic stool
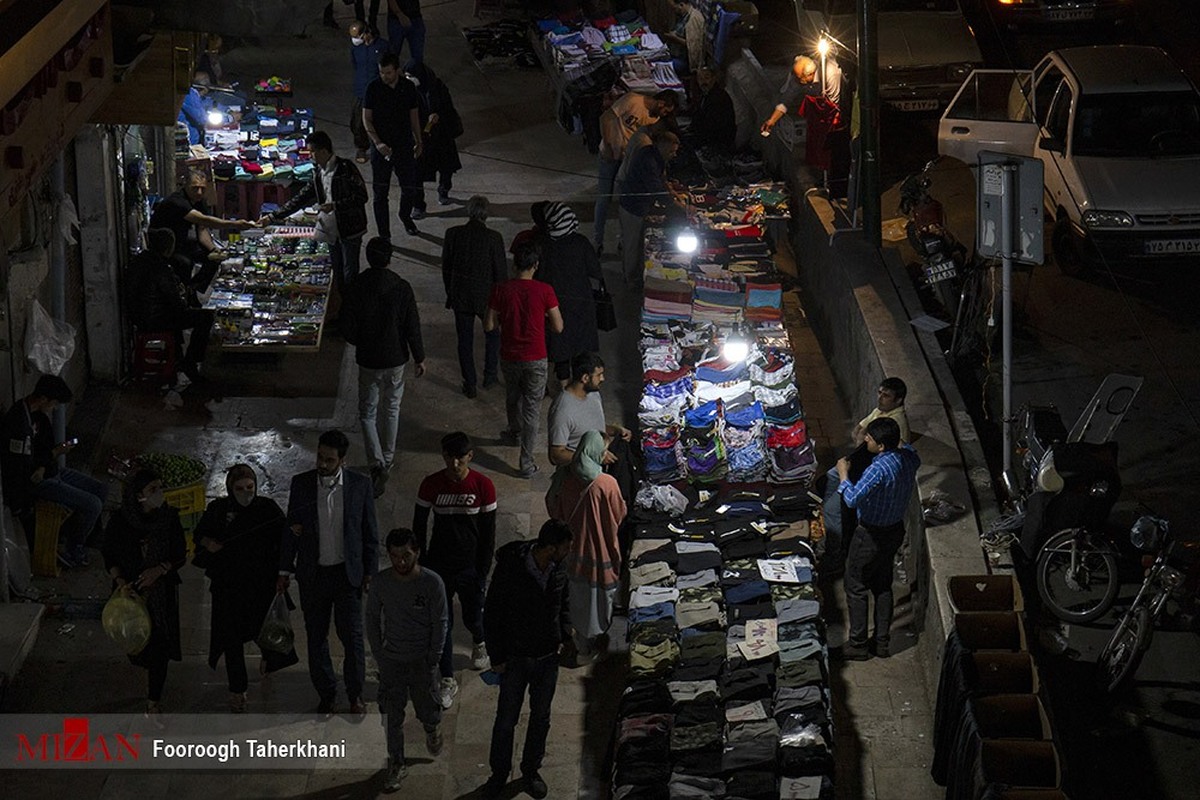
[154, 356]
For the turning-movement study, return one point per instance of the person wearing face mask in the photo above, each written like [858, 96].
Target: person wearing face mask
[143, 550]
[365, 50]
[237, 545]
[527, 622]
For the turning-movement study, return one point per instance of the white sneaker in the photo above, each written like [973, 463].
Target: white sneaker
[447, 691]
[479, 657]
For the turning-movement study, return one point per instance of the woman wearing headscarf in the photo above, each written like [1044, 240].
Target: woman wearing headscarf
[569, 263]
[237, 544]
[441, 124]
[590, 502]
[143, 550]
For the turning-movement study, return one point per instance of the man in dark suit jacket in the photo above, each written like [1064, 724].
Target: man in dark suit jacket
[332, 549]
[472, 262]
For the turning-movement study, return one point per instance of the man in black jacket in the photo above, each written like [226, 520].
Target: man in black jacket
[384, 329]
[160, 301]
[472, 262]
[340, 194]
[713, 121]
[525, 616]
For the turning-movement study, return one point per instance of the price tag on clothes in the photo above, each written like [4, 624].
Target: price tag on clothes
[778, 570]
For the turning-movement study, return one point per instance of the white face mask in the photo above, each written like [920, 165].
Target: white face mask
[244, 498]
[154, 500]
[356, 40]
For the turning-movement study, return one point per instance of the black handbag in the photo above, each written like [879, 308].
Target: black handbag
[606, 312]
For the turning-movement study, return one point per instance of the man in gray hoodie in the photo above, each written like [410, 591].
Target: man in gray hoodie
[406, 627]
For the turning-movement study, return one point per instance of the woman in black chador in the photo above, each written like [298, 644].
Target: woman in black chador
[144, 549]
[237, 544]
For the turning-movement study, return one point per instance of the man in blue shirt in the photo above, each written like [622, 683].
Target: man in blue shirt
[194, 111]
[881, 497]
[365, 50]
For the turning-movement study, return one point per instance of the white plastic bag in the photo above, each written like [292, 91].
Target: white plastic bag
[49, 344]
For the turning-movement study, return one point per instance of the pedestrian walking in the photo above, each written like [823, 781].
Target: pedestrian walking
[590, 502]
[385, 329]
[644, 185]
[237, 546]
[405, 24]
[523, 308]
[340, 195]
[463, 504]
[440, 126]
[393, 125]
[881, 498]
[406, 625]
[472, 263]
[331, 547]
[569, 263]
[143, 550]
[527, 622]
[366, 48]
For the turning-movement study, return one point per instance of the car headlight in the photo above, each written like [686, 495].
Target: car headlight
[1107, 219]
[959, 72]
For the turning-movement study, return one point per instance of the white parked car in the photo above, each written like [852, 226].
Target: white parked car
[1117, 128]
[926, 47]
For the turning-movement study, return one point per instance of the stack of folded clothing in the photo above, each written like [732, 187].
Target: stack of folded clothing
[718, 301]
[719, 379]
[666, 300]
[745, 444]
[764, 302]
[703, 450]
[791, 453]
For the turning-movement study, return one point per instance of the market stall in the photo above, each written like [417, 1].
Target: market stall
[729, 678]
[272, 292]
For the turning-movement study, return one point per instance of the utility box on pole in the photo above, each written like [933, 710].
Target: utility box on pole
[1027, 204]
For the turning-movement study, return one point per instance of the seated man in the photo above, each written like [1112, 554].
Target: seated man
[160, 302]
[186, 214]
[578, 410]
[29, 464]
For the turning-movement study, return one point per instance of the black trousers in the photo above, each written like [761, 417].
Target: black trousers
[869, 563]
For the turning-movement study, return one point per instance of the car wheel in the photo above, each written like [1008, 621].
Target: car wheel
[1067, 253]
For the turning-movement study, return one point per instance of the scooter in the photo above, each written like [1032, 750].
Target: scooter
[942, 255]
[1171, 584]
[1063, 495]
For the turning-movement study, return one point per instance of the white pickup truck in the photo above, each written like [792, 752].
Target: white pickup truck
[1118, 130]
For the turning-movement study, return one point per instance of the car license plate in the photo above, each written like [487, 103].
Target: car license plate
[1069, 14]
[914, 105]
[1157, 247]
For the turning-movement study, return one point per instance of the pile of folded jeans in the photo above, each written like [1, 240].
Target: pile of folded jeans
[729, 690]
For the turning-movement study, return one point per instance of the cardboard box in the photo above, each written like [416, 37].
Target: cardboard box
[1021, 763]
[973, 593]
[1011, 716]
[1004, 673]
[991, 630]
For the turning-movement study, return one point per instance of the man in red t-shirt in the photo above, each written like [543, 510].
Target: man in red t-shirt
[460, 549]
[522, 307]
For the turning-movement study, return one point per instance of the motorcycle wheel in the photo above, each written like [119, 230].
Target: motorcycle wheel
[1085, 593]
[1120, 658]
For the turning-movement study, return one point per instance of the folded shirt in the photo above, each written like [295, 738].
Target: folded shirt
[647, 596]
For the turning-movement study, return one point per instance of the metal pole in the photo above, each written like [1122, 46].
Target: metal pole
[868, 86]
[1007, 238]
[58, 284]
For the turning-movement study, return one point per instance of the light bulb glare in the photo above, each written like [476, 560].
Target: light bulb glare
[735, 350]
[687, 242]
[216, 118]
[823, 46]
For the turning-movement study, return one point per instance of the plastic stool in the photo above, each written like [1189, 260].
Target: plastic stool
[154, 356]
[49, 518]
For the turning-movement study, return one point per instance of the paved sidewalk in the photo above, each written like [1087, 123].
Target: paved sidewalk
[515, 153]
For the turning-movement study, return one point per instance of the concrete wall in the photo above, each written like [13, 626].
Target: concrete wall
[239, 17]
[863, 301]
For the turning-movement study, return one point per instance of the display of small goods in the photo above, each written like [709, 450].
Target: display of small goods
[272, 290]
[274, 85]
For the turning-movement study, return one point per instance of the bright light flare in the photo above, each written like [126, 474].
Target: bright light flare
[687, 242]
[823, 46]
[735, 350]
[216, 119]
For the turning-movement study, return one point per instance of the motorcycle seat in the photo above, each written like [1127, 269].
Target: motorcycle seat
[1048, 426]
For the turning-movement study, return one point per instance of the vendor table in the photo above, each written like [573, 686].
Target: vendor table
[271, 294]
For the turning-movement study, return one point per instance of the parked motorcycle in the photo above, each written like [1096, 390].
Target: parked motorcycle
[942, 255]
[1064, 492]
[1171, 583]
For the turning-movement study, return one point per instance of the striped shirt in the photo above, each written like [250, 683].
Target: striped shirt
[464, 522]
[881, 495]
